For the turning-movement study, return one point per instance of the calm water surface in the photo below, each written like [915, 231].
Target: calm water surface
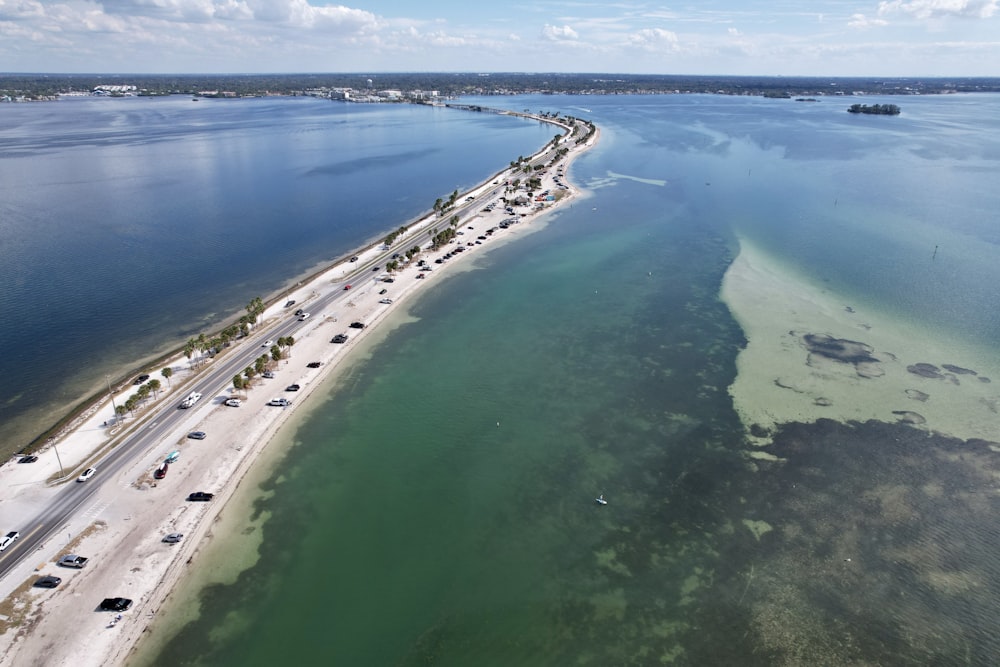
[438, 507]
[129, 225]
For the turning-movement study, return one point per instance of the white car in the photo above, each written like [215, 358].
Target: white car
[385, 301]
[234, 402]
[191, 399]
[303, 317]
[87, 474]
[9, 539]
[280, 402]
[267, 343]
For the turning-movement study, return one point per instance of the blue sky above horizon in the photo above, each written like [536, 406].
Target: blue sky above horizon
[735, 37]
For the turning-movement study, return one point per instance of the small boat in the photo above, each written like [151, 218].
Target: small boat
[600, 500]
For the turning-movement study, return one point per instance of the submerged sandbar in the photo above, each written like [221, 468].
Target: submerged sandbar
[812, 354]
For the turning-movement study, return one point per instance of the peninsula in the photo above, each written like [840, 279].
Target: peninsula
[130, 521]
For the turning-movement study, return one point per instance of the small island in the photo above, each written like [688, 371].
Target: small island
[878, 109]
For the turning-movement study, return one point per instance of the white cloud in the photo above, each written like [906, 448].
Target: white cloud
[11, 10]
[926, 9]
[654, 39]
[734, 32]
[557, 34]
[862, 22]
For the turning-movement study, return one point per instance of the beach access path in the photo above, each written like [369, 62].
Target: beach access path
[120, 527]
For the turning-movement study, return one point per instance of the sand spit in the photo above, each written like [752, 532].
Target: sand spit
[121, 529]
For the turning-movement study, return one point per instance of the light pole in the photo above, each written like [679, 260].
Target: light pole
[111, 394]
[56, 450]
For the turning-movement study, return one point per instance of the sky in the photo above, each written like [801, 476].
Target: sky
[919, 38]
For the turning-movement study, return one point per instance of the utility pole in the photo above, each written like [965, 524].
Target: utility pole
[111, 394]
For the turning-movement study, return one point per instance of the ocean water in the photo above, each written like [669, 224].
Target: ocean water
[129, 225]
[438, 505]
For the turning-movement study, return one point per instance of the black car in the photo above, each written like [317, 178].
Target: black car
[30, 458]
[197, 435]
[314, 364]
[140, 379]
[382, 291]
[299, 312]
[48, 582]
[357, 325]
[200, 496]
[376, 268]
[292, 387]
[388, 280]
[115, 604]
[339, 338]
[289, 303]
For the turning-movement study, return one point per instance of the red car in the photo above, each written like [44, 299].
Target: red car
[161, 471]
[347, 287]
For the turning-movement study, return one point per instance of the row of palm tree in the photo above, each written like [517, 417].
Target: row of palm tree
[280, 350]
[241, 329]
[136, 400]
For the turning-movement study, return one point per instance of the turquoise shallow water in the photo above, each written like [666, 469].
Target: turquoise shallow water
[407, 527]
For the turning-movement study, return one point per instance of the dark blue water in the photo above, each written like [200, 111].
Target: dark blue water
[129, 225]
[407, 527]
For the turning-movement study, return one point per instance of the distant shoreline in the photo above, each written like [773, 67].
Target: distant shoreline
[28, 87]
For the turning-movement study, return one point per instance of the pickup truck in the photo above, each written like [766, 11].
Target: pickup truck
[191, 399]
[72, 560]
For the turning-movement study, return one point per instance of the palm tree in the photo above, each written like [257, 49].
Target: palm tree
[154, 386]
[120, 410]
[167, 372]
[261, 364]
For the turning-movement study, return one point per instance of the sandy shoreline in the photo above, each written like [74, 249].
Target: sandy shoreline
[121, 530]
[789, 370]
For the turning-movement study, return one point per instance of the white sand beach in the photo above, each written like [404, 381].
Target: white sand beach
[900, 373]
[121, 529]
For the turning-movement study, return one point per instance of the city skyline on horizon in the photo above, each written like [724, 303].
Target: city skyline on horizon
[867, 38]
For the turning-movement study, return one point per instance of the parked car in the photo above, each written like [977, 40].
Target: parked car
[173, 538]
[385, 301]
[289, 303]
[139, 380]
[292, 387]
[339, 338]
[382, 291]
[86, 474]
[48, 581]
[354, 259]
[161, 470]
[279, 402]
[388, 280]
[9, 539]
[234, 402]
[30, 458]
[357, 325]
[268, 374]
[314, 364]
[115, 604]
[73, 561]
[200, 496]
[197, 435]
